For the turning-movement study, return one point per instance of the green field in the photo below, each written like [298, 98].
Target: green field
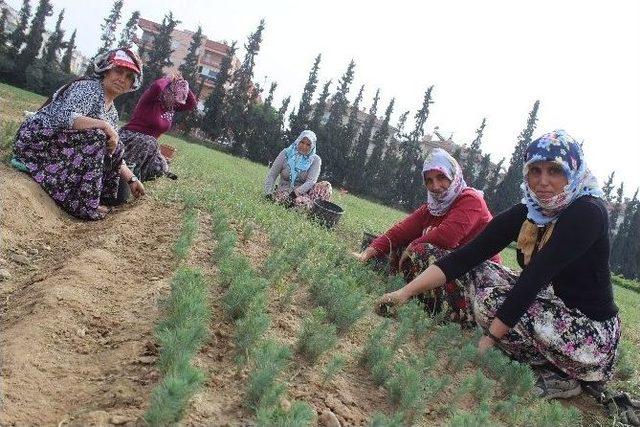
[229, 189]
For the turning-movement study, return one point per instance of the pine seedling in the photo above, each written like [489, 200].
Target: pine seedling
[460, 359]
[345, 306]
[269, 361]
[220, 224]
[249, 331]
[316, 335]
[508, 410]
[519, 379]
[371, 349]
[333, 367]
[478, 418]
[170, 398]
[406, 390]
[244, 294]
[381, 420]
[225, 246]
[233, 268]
[286, 298]
[247, 231]
[433, 386]
[299, 415]
[481, 387]
[626, 362]
[445, 337]
[553, 414]
[495, 362]
[394, 283]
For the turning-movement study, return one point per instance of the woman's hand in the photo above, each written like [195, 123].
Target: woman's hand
[485, 343]
[365, 255]
[112, 137]
[405, 256]
[137, 189]
[388, 304]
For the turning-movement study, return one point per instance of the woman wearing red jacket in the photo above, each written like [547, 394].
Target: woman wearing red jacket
[452, 216]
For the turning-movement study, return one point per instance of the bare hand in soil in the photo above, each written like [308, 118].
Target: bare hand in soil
[137, 189]
[388, 304]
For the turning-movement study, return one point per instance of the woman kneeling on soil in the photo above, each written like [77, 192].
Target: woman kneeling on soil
[571, 328]
[452, 216]
[151, 118]
[299, 168]
[70, 146]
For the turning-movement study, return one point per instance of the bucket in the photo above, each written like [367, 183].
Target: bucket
[167, 151]
[327, 213]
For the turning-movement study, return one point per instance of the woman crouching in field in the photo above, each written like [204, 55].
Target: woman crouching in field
[70, 146]
[298, 167]
[452, 215]
[559, 314]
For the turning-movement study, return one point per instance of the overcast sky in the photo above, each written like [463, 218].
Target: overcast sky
[489, 58]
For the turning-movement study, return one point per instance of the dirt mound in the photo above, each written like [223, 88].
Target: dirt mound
[79, 306]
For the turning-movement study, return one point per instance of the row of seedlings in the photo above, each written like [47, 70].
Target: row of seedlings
[182, 333]
[245, 303]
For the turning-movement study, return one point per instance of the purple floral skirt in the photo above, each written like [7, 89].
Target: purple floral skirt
[72, 166]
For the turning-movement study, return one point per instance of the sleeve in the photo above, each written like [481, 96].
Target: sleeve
[312, 176]
[80, 99]
[461, 219]
[575, 232]
[275, 169]
[189, 104]
[403, 232]
[501, 230]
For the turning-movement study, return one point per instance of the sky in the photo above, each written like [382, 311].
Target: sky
[491, 58]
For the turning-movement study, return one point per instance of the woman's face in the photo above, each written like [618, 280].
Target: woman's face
[546, 179]
[118, 80]
[304, 146]
[436, 181]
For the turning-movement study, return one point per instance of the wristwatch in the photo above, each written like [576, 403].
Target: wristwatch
[132, 180]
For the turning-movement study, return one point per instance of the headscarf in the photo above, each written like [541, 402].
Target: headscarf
[297, 161]
[122, 57]
[558, 147]
[174, 93]
[440, 160]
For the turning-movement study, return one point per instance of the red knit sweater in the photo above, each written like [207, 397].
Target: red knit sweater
[467, 216]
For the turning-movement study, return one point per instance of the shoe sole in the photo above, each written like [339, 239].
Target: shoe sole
[565, 394]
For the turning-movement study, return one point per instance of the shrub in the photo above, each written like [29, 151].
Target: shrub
[468, 354]
[316, 336]
[478, 418]
[245, 293]
[406, 389]
[300, 414]
[553, 414]
[480, 386]
[625, 367]
[381, 420]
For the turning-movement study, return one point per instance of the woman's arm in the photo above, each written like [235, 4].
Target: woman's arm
[312, 177]
[403, 232]
[458, 223]
[189, 104]
[273, 173]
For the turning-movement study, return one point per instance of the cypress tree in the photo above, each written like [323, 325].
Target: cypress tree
[484, 169]
[620, 244]
[19, 35]
[320, 108]
[239, 95]
[300, 121]
[160, 51]
[3, 36]
[108, 28]
[55, 43]
[30, 51]
[457, 154]
[189, 68]
[272, 89]
[388, 175]
[351, 131]
[607, 188]
[214, 122]
[492, 185]
[615, 211]
[65, 64]
[508, 191]
[371, 178]
[336, 147]
[359, 153]
[129, 31]
[471, 166]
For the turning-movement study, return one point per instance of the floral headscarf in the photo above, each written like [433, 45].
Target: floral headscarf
[297, 161]
[174, 93]
[558, 147]
[122, 57]
[440, 160]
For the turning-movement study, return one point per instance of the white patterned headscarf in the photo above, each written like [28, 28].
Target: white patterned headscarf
[440, 160]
